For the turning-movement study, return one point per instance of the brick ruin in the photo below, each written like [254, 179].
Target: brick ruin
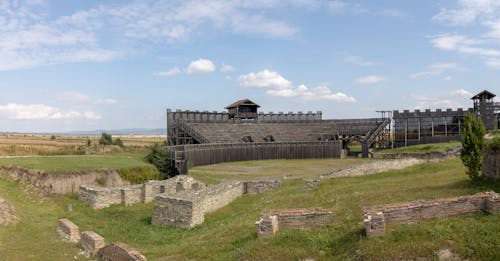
[103, 197]
[491, 163]
[377, 218]
[187, 208]
[272, 221]
[68, 231]
[94, 246]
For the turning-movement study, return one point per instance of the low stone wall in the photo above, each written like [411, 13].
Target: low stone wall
[62, 183]
[431, 155]
[187, 209]
[68, 231]
[7, 213]
[373, 167]
[119, 251]
[103, 197]
[491, 163]
[91, 242]
[272, 221]
[260, 186]
[376, 218]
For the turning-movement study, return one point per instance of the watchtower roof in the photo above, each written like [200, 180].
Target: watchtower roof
[484, 95]
[244, 102]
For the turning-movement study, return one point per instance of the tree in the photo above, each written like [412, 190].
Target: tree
[473, 144]
[158, 156]
[106, 139]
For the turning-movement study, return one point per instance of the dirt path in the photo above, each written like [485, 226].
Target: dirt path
[373, 167]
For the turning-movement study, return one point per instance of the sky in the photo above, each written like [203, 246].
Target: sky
[87, 65]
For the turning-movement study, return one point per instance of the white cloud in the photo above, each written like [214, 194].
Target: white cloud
[265, 79]
[462, 93]
[468, 11]
[436, 69]
[107, 101]
[422, 102]
[17, 111]
[201, 66]
[278, 86]
[227, 68]
[493, 63]
[358, 60]
[370, 79]
[462, 44]
[480, 13]
[170, 72]
[75, 97]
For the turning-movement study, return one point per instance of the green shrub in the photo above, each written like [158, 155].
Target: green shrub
[106, 139]
[473, 145]
[138, 175]
[494, 144]
[118, 142]
[158, 156]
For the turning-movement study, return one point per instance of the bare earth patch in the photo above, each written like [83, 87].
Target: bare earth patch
[7, 213]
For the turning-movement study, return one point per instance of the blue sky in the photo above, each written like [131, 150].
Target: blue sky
[84, 65]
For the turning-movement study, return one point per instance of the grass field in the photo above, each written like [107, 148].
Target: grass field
[270, 169]
[30, 144]
[61, 164]
[229, 233]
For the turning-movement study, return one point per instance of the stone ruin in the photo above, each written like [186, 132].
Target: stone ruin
[377, 218]
[180, 201]
[187, 208]
[93, 244]
[7, 213]
[103, 197]
[272, 221]
[491, 163]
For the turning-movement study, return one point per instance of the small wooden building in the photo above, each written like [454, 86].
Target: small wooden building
[486, 109]
[243, 110]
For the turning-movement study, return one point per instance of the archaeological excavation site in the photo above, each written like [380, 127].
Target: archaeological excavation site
[248, 185]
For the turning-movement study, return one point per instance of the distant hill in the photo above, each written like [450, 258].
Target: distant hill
[134, 131]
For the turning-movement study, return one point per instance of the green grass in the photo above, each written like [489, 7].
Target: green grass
[423, 147]
[60, 164]
[229, 233]
[34, 236]
[270, 169]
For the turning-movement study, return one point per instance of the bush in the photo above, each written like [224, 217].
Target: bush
[138, 175]
[494, 144]
[118, 142]
[106, 139]
[473, 145]
[158, 156]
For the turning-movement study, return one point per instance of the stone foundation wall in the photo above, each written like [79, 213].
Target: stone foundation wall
[91, 242]
[491, 163]
[187, 208]
[103, 197]
[262, 186]
[119, 251]
[68, 231]
[376, 218]
[431, 155]
[299, 218]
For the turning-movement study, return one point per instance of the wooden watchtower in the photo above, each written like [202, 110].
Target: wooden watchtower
[243, 110]
[485, 108]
